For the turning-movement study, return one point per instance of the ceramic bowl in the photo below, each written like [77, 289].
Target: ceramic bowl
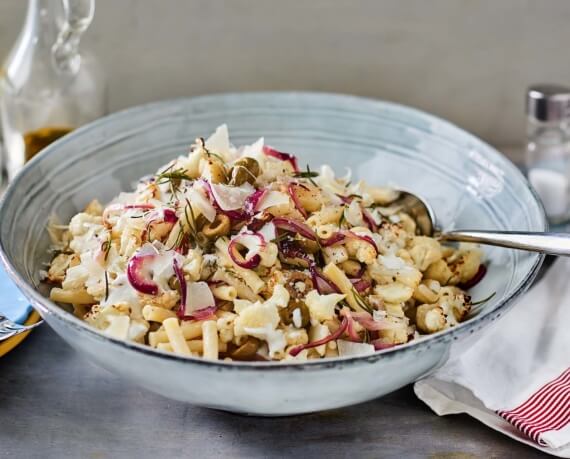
[469, 184]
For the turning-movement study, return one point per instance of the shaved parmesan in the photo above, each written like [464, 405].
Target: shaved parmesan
[219, 142]
[198, 296]
[231, 197]
[197, 198]
[273, 198]
[349, 348]
[267, 231]
[254, 150]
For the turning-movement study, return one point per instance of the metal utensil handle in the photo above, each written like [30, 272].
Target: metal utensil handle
[549, 243]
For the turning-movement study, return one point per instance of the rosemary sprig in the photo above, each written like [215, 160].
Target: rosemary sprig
[308, 174]
[202, 143]
[176, 174]
[483, 301]
[106, 247]
[106, 286]
[342, 218]
[179, 240]
[361, 301]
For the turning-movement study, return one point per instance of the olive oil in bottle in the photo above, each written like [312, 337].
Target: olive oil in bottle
[37, 140]
[49, 86]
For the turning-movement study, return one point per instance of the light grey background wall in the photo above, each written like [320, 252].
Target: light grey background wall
[466, 60]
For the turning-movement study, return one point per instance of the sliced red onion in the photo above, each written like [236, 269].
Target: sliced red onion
[478, 277]
[379, 346]
[350, 331]
[343, 326]
[363, 237]
[162, 216]
[372, 226]
[291, 249]
[253, 200]
[368, 322]
[256, 223]
[201, 314]
[282, 156]
[294, 226]
[182, 282]
[339, 236]
[345, 199]
[321, 283]
[360, 285]
[254, 242]
[295, 198]
[138, 273]
[139, 206]
[334, 239]
[117, 206]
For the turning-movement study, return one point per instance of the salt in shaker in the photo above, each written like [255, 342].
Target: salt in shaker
[548, 148]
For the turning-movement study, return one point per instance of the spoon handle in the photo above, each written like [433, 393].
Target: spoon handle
[549, 243]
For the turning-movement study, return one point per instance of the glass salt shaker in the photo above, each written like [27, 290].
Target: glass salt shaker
[47, 87]
[548, 148]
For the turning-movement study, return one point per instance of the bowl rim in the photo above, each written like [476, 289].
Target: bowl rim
[48, 307]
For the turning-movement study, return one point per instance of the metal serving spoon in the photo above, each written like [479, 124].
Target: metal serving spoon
[423, 214]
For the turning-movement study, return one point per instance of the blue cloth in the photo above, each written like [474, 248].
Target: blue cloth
[12, 303]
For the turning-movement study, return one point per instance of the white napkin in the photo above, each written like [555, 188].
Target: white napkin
[516, 377]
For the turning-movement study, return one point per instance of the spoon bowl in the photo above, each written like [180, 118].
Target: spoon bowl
[424, 215]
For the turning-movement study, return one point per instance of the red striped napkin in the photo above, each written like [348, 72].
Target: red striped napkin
[545, 416]
[515, 375]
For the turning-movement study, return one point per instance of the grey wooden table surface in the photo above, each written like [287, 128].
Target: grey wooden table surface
[54, 404]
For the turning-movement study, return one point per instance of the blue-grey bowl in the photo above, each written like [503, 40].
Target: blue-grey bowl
[469, 184]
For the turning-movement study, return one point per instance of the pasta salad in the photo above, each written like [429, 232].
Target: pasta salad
[239, 254]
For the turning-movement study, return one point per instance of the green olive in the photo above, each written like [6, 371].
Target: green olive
[244, 170]
[203, 241]
[219, 227]
[295, 278]
[247, 350]
[309, 246]
[217, 171]
[226, 306]
[286, 314]
[173, 283]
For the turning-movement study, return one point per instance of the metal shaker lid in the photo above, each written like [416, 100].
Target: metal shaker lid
[548, 102]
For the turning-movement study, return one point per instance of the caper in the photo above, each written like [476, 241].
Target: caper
[286, 314]
[244, 170]
[247, 350]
